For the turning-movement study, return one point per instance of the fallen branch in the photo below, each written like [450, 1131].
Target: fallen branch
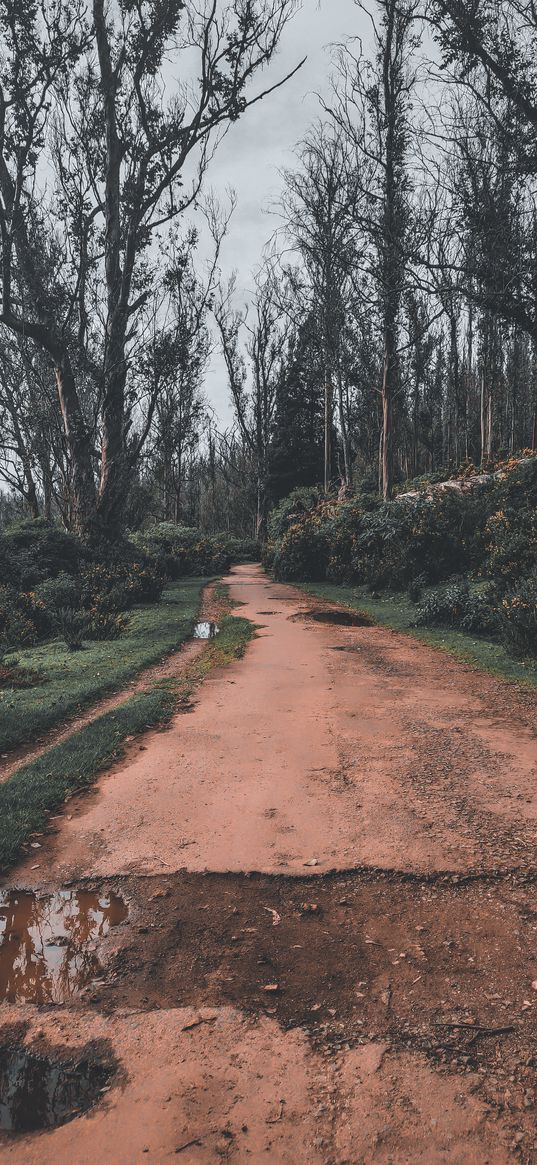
[479, 1029]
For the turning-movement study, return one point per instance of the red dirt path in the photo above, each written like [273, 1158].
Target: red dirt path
[388, 760]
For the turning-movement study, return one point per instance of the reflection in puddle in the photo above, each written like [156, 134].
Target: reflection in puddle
[48, 945]
[205, 631]
[37, 1092]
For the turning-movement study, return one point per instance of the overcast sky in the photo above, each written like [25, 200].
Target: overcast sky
[262, 142]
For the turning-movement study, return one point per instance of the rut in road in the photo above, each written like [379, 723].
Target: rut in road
[365, 996]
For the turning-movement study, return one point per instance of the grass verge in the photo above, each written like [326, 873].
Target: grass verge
[43, 785]
[75, 679]
[397, 611]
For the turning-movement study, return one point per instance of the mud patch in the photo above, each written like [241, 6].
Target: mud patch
[205, 630]
[41, 1091]
[339, 617]
[427, 965]
[48, 945]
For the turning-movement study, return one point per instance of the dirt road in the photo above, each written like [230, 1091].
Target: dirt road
[330, 950]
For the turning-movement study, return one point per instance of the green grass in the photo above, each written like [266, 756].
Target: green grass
[75, 679]
[396, 611]
[43, 785]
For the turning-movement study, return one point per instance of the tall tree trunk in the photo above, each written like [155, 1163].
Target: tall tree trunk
[387, 412]
[328, 408]
[343, 424]
[82, 484]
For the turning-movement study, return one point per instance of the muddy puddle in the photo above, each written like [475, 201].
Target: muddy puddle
[340, 618]
[49, 945]
[205, 630]
[41, 1092]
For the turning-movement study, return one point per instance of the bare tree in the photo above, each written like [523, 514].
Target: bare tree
[320, 209]
[253, 366]
[373, 102]
[100, 151]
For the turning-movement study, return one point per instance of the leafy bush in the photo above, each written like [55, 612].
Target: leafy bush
[299, 502]
[59, 592]
[105, 625]
[518, 619]
[303, 551]
[119, 586]
[511, 541]
[33, 550]
[456, 605]
[17, 629]
[183, 550]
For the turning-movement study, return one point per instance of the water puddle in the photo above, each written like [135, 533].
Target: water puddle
[341, 618]
[48, 946]
[205, 631]
[39, 1092]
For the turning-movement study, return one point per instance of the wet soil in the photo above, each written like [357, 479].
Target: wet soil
[49, 943]
[330, 952]
[40, 1091]
[339, 617]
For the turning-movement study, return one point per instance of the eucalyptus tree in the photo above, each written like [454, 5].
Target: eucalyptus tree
[320, 212]
[373, 106]
[252, 346]
[101, 150]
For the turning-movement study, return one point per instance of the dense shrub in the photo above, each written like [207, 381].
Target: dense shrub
[59, 592]
[434, 539]
[34, 550]
[289, 511]
[17, 629]
[119, 586]
[303, 551]
[183, 550]
[456, 605]
[518, 619]
[511, 542]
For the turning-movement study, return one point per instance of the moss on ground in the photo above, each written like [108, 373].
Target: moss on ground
[398, 612]
[43, 785]
[75, 679]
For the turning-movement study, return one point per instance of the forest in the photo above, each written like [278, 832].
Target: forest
[268, 582]
[390, 340]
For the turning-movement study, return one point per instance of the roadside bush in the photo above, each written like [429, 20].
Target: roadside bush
[243, 549]
[183, 550]
[457, 606]
[291, 509]
[303, 551]
[511, 543]
[518, 619]
[419, 538]
[119, 586]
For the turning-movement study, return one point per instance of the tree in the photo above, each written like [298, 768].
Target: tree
[258, 361]
[99, 154]
[320, 208]
[373, 108]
